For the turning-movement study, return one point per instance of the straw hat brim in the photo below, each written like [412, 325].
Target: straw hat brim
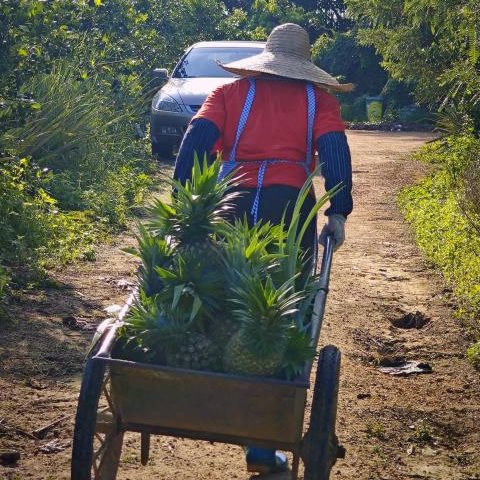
[283, 65]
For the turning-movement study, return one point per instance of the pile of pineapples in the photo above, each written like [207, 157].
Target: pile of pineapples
[219, 295]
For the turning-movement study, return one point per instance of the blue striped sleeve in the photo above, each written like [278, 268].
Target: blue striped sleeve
[334, 155]
[200, 137]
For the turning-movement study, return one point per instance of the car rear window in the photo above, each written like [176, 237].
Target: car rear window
[201, 62]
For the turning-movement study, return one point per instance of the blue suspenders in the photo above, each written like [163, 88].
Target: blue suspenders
[232, 162]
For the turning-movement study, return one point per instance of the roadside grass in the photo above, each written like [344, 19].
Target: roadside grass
[375, 431]
[473, 355]
[445, 228]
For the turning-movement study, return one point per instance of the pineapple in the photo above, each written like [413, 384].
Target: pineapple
[195, 352]
[265, 315]
[241, 360]
[197, 214]
[221, 329]
[193, 289]
[149, 335]
[245, 254]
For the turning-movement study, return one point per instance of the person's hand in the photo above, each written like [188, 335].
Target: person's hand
[336, 226]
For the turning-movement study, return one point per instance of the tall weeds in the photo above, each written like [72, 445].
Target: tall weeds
[71, 166]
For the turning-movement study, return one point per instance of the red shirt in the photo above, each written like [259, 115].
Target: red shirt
[276, 127]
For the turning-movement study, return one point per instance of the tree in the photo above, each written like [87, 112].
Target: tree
[241, 4]
[331, 13]
[433, 43]
[341, 55]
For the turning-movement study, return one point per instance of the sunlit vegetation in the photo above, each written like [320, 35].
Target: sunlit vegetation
[75, 87]
[446, 222]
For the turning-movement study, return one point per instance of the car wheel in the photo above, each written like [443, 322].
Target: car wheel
[162, 150]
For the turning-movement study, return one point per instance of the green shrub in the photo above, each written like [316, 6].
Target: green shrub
[347, 112]
[4, 279]
[413, 114]
[459, 155]
[473, 354]
[72, 168]
[443, 232]
[34, 232]
[77, 131]
[359, 108]
[356, 111]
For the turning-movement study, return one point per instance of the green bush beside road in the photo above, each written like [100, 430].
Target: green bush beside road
[446, 221]
[71, 171]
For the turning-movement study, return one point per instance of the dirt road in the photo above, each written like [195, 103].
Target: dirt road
[394, 428]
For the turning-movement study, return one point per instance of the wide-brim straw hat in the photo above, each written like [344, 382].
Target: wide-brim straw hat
[286, 54]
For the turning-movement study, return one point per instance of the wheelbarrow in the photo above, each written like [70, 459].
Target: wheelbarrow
[118, 396]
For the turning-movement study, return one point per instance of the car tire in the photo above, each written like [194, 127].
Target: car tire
[162, 150]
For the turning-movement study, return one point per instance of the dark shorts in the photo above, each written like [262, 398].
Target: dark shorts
[274, 201]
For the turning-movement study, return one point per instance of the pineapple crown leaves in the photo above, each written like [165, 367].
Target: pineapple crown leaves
[205, 178]
[192, 288]
[154, 252]
[246, 249]
[305, 306]
[142, 318]
[264, 301]
[265, 313]
[197, 208]
[289, 245]
[171, 329]
[200, 205]
[144, 313]
[150, 326]
[162, 219]
[299, 350]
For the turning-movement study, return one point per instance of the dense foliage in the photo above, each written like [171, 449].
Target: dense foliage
[434, 44]
[444, 212]
[443, 231]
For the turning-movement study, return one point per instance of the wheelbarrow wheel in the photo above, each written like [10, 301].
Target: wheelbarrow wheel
[320, 446]
[97, 440]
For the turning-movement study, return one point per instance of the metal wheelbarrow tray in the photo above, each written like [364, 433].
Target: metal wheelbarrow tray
[156, 399]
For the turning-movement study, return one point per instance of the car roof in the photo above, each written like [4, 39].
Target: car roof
[229, 43]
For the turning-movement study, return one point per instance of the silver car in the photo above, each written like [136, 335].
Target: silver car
[194, 77]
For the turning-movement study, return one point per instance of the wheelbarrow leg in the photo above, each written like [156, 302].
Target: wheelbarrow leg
[145, 449]
[295, 464]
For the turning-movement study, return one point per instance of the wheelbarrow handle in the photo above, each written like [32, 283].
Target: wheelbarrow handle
[326, 265]
[321, 297]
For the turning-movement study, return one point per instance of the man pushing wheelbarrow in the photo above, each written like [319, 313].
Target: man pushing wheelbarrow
[267, 125]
